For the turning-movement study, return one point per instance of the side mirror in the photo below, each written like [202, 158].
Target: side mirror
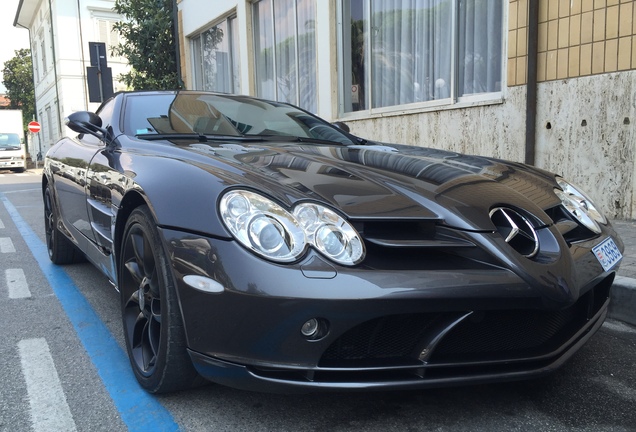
[342, 126]
[84, 122]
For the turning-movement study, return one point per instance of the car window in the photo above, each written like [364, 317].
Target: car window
[227, 115]
[9, 140]
[106, 113]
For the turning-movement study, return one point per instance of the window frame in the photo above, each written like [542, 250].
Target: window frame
[231, 23]
[49, 120]
[255, 25]
[42, 45]
[452, 102]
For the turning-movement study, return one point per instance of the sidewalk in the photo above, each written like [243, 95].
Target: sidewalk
[623, 295]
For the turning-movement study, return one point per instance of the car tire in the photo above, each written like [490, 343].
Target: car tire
[61, 250]
[153, 327]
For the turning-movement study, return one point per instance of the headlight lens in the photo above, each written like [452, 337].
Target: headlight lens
[333, 236]
[262, 225]
[580, 206]
[271, 231]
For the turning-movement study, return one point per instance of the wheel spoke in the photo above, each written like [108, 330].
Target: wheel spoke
[154, 334]
[138, 242]
[155, 309]
[133, 301]
[135, 272]
[153, 286]
[148, 259]
[48, 219]
[143, 346]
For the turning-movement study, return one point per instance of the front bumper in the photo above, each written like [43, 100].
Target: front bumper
[468, 322]
[287, 379]
[12, 164]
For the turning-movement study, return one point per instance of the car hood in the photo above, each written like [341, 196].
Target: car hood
[390, 181]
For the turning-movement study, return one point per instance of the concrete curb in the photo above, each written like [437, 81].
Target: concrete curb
[622, 305]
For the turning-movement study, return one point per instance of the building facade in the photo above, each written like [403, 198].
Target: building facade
[60, 33]
[548, 82]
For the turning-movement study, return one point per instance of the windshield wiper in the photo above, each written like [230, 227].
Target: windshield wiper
[293, 138]
[199, 137]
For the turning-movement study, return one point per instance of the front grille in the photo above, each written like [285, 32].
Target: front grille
[484, 336]
[392, 337]
[487, 336]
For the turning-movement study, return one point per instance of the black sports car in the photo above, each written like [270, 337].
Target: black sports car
[260, 247]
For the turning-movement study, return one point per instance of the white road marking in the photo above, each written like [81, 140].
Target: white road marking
[49, 409]
[17, 284]
[1, 224]
[615, 386]
[19, 191]
[618, 326]
[6, 245]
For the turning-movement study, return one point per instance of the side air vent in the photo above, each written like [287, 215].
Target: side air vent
[516, 230]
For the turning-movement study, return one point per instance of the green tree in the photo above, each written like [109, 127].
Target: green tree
[18, 80]
[149, 44]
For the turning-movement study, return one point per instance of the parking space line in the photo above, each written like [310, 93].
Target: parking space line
[139, 410]
[6, 245]
[21, 191]
[49, 409]
[17, 284]
[1, 224]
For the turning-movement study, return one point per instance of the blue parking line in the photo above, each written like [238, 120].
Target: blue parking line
[139, 410]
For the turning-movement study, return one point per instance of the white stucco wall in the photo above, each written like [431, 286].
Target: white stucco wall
[194, 20]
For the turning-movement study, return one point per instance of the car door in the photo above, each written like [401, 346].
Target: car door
[70, 168]
[103, 175]
[104, 178]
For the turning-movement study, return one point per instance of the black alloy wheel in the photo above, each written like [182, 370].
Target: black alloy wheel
[61, 250]
[153, 327]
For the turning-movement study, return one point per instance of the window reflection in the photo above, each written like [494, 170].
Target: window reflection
[285, 51]
[401, 52]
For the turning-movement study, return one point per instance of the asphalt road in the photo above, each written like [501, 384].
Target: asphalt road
[63, 366]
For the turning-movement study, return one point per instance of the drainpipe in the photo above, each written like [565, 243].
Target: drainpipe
[57, 84]
[83, 66]
[175, 29]
[531, 85]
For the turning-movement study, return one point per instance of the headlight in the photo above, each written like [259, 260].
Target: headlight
[580, 206]
[266, 228]
[262, 226]
[333, 236]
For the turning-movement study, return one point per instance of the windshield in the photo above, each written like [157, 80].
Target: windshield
[223, 115]
[9, 140]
